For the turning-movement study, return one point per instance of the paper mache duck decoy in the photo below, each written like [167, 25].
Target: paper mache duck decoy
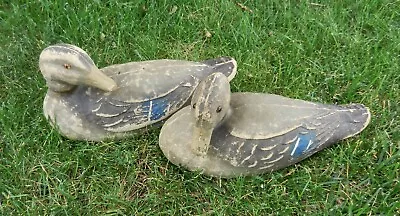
[87, 103]
[227, 135]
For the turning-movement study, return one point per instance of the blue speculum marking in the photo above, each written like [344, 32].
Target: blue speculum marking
[303, 144]
[158, 108]
[146, 107]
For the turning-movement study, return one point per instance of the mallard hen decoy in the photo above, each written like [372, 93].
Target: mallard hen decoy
[87, 103]
[226, 135]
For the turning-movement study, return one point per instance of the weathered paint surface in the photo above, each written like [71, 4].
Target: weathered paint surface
[88, 103]
[257, 133]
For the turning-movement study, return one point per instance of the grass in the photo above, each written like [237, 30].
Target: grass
[326, 51]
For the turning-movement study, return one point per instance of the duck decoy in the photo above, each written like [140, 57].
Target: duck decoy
[87, 103]
[227, 135]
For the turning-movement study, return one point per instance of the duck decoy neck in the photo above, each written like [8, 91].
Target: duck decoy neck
[210, 105]
[201, 140]
[202, 134]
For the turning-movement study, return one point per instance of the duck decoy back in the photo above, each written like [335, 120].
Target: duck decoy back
[226, 135]
[87, 103]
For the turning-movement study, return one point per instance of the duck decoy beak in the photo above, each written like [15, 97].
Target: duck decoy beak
[98, 79]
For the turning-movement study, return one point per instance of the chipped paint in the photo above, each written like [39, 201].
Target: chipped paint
[240, 147]
[123, 109]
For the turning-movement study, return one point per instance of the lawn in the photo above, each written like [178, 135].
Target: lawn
[324, 51]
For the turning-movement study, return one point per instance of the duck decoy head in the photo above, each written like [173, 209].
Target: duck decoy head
[210, 104]
[65, 66]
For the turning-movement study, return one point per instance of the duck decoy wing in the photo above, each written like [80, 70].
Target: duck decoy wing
[149, 79]
[270, 132]
[148, 92]
[262, 116]
[119, 116]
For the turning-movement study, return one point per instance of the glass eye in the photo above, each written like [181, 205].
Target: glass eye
[219, 109]
[67, 66]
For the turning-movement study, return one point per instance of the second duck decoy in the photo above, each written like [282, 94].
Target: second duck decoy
[87, 103]
[226, 135]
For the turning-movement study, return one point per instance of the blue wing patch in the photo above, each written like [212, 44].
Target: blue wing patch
[114, 115]
[303, 144]
[158, 108]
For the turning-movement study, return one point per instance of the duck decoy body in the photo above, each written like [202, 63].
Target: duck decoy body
[226, 135]
[87, 103]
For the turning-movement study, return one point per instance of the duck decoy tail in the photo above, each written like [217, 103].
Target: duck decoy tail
[358, 117]
[343, 122]
[225, 65]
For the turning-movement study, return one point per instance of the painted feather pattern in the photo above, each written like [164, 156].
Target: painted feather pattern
[316, 133]
[119, 116]
[122, 115]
